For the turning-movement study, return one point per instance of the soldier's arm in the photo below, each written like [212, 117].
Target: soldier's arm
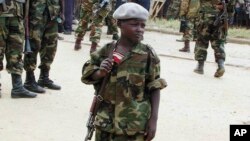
[152, 123]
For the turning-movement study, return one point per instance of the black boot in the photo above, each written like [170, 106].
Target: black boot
[186, 47]
[18, 91]
[221, 69]
[31, 84]
[199, 68]
[44, 80]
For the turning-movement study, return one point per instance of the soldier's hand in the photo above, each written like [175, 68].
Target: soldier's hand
[106, 65]
[150, 129]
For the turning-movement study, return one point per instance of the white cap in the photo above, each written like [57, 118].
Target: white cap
[131, 10]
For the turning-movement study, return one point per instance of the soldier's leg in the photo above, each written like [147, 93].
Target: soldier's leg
[37, 26]
[14, 50]
[2, 41]
[112, 22]
[85, 14]
[2, 45]
[188, 36]
[217, 43]
[201, 46]
[96, 25]
[47, 55]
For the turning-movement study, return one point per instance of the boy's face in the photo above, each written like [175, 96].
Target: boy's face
[132, 29]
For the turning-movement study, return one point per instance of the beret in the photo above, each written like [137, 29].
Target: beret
[131, 10]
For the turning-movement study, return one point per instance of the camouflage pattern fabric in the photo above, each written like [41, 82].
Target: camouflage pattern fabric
[111, 22]
[12, 37]
[85, 18]
[207, 32]
[43, 33]
[126, 107]
[100, 13]
[173, 9]
[106, 136]
[188, 32]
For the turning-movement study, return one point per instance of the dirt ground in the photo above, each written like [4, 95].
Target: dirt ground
[193, 107]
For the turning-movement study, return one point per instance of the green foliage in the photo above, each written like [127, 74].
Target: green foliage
[174, 25]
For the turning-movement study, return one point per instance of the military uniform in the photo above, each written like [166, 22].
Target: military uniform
[44, 16]
[94, 11]
[215, 34]
[188, 12]
[131, 92]
[11, 43]
[126, 91]
[112, 28]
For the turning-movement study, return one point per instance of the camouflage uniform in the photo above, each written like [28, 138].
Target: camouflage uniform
[111, 22]
[126, 107]
[91, 11]
[12, 36]
[188, 11]
[85, 17]
[208, 32]
[43, 18]
[100, 13]
[173, 9]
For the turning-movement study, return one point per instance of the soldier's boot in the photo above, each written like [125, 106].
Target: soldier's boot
[44, 80]
[18, 91]
[115, 36]
[93, 47]
[186, 47]
[78, 44]
[221, 69]
[31, 84]
[200, 67]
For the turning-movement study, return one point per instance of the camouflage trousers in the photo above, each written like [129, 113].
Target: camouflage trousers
[111, 22]
[85, 18]
[216, 35]
[97, 22]
[105, 136]
[11, 43]
[188, 32]
[90, 11]
[43, 40]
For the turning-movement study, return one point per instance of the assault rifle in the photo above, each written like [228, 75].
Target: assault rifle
[27, 48]
[223, 16]
[97, 100]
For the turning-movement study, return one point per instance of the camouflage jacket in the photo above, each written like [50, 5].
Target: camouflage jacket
[13, 8]
[189, 8]
[37, 7]
[208, 6]
[126, 107]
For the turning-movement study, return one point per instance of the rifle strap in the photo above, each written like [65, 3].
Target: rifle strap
[100, 94]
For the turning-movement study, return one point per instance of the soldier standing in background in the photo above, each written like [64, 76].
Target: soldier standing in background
[188, 11]
[11, 44]
[215, 33]
[97, 11]
[112, 28]
[44, 17]
[133, 85]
